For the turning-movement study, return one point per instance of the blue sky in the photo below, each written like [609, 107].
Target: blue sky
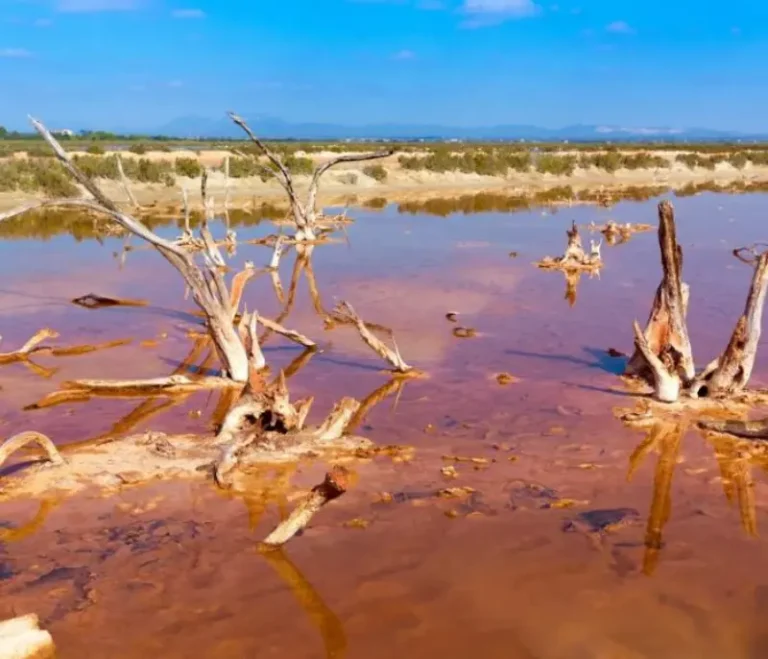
[141, 63]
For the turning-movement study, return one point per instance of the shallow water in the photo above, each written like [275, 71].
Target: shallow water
[173, 569]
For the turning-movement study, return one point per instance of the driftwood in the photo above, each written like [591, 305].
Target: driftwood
[304, 214]
[93, 301]
[22, 638]
[333, 486]
[574, 258]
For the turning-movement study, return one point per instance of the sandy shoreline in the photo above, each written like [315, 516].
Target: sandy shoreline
[348, 185]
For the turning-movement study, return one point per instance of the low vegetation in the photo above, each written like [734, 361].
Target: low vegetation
[35, 170]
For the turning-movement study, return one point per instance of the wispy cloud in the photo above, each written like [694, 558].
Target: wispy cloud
[86, 6]
[619, 27]
[404, 55]
[492, 12]
[430, 5]
[15, 53]
[188, 13]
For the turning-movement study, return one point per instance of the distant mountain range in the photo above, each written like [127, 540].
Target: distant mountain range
[274, 128]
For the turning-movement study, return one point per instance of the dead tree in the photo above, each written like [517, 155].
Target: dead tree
[304, 213]
[663, 355]
[666, 333]
[730, 372]
[575, 257]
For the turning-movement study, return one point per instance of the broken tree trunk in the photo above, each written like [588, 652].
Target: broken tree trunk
[730, 372]
[666, 333]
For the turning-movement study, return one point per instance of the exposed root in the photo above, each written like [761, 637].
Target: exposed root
[575, 258]
[23, 439]
[333, 486]
[344, 310]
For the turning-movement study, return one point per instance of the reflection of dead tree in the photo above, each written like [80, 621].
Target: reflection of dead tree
[575, 258]
[664, 438]
[395, 385]
[333, 486]
[305, 214]
[617, 234]
[326, 621]
[735, 460]
[663, 355]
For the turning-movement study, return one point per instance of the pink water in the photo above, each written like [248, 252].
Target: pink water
[173, 569]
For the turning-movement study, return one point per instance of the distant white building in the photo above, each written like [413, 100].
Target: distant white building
[65, 132]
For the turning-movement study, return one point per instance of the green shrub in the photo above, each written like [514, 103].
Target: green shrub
[95, 149]
[376, 172]
[190, 167]
[299, 166]
[37, 175]
[139, 149]
[557, 165]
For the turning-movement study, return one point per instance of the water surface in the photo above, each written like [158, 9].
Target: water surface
[173, 569]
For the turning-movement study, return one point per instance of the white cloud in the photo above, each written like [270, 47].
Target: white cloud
[511, 8]
[188, 13]
[619, 27]
[15, 53]
[84, 6]
[404, 54]
[492, 12]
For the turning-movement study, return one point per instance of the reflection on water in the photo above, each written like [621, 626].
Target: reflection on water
[491, 574]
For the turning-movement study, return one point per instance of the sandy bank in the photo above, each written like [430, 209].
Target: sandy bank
[348, 184]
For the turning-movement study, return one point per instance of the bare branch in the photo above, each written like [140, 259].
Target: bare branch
[125, 182]
[348, 157]
[344, 310]
[294, 336]
[335, 484]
